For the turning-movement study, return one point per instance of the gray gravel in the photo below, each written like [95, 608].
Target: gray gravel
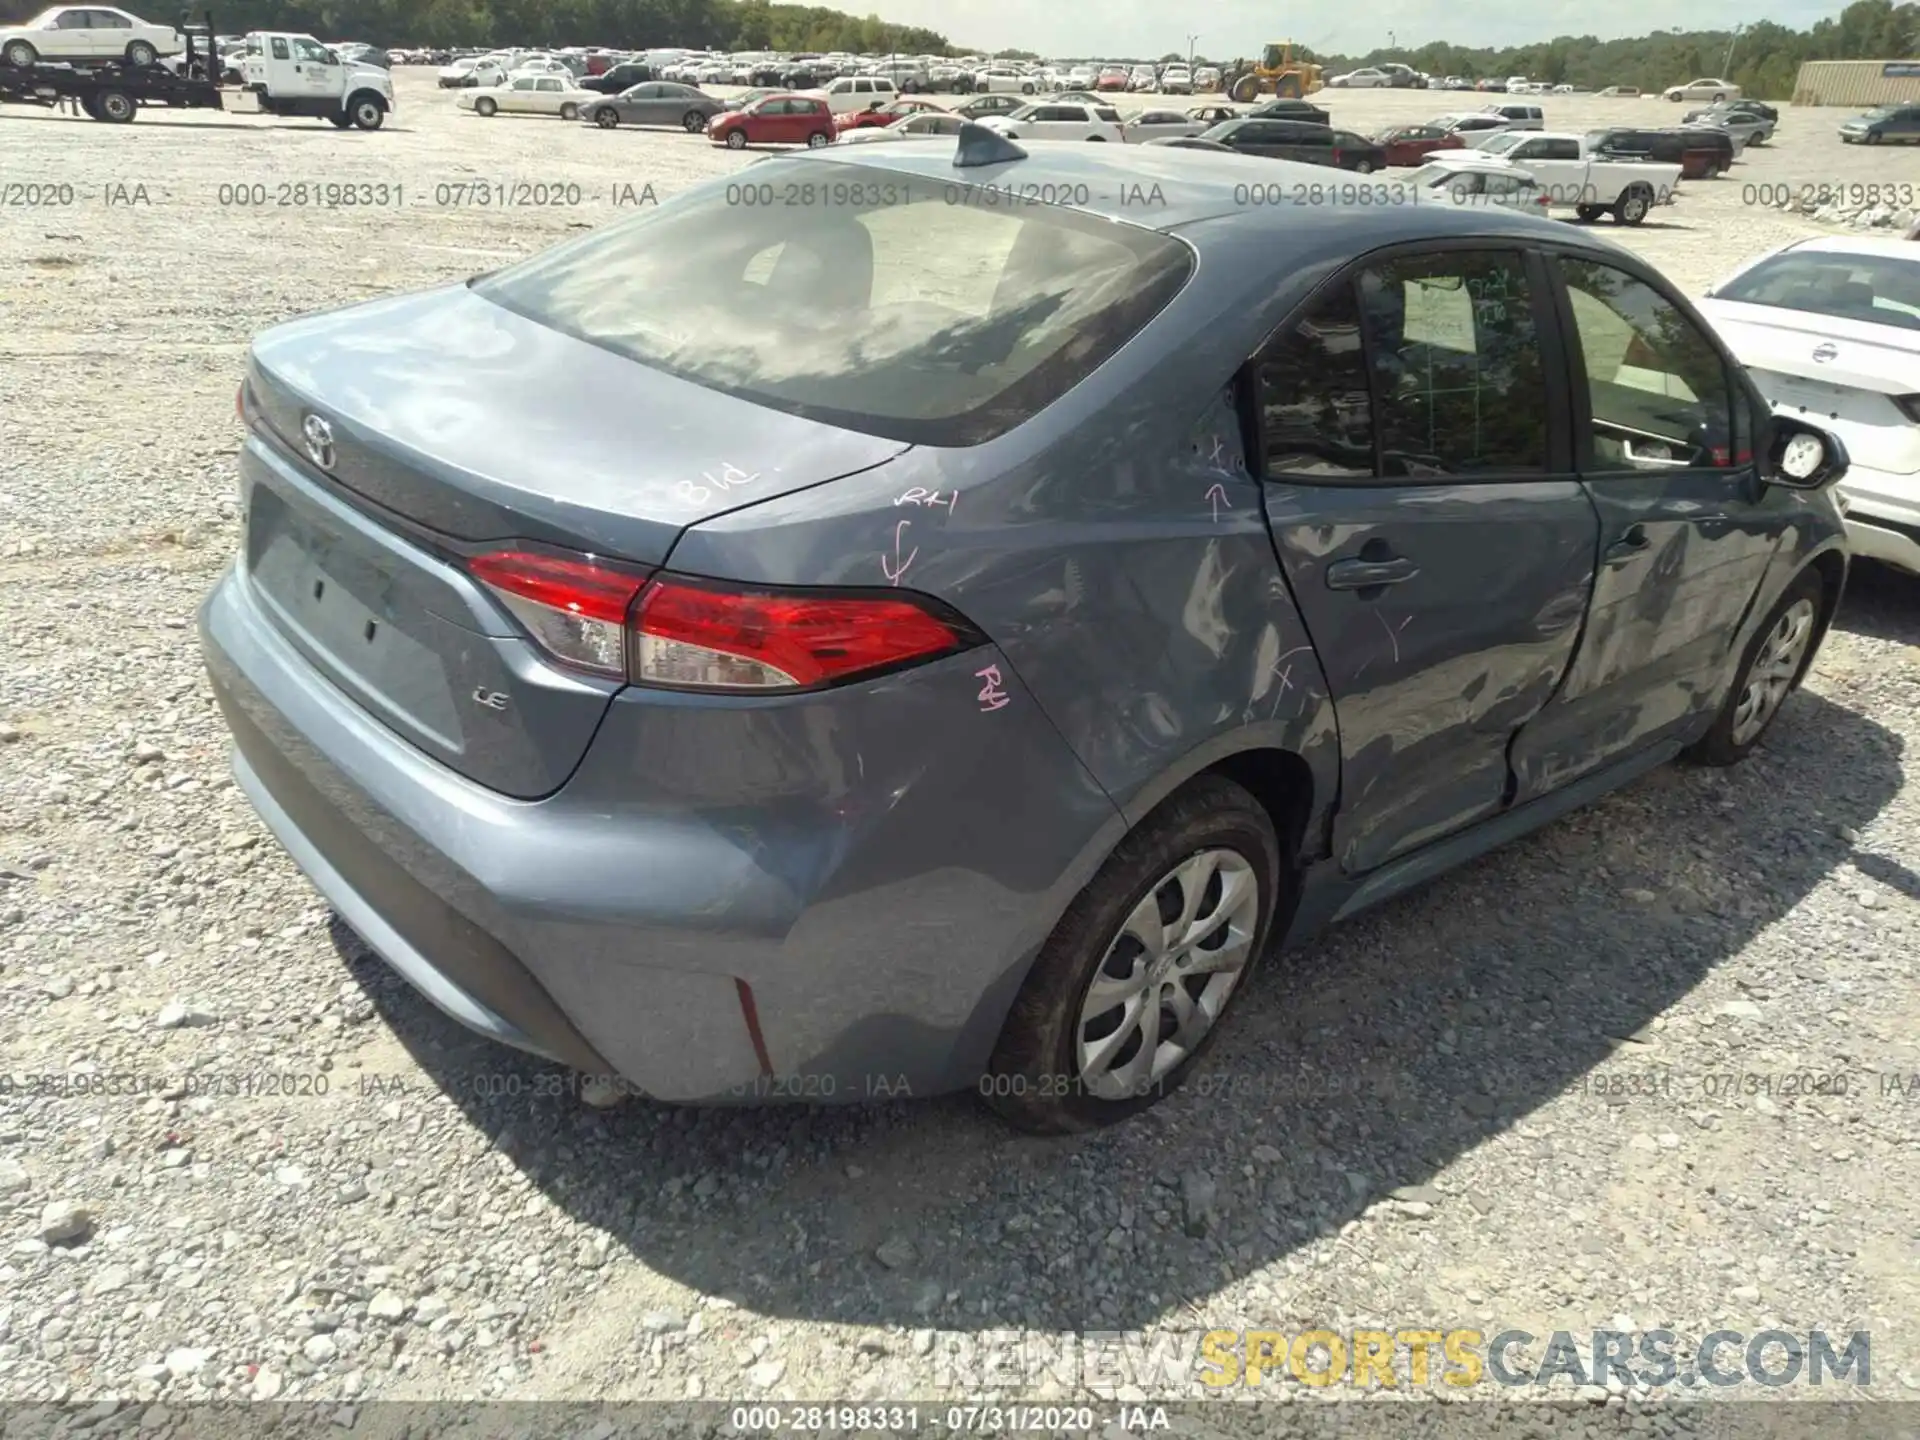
[273, 1172]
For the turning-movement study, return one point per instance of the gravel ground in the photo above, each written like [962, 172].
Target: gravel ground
[323, 1189]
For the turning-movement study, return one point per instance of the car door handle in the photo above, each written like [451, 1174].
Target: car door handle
[1365, 574]
[1630, 546]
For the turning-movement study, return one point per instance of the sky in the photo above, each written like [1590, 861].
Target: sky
[1098, 28]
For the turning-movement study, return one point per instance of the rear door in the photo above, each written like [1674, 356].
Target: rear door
[1413, 424]
[1663, 427]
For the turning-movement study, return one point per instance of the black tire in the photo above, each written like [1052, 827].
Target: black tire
[1632, 207]
[1026, 89]
[1873, 137]
[570, 111]
[367, 112]
[736, 140]
[1096, 139]
[486, 105]
[693, 122]
[140, 54]
[1719, 96]
[606, 117]
[1589, 213]
[90, 107]
[1363, 167]
[1288, 87]
[339, 122]
[817, 139]
[1032, 1079]
[20, 54]
[116, 107]
[1245, 90]
[1718, 746]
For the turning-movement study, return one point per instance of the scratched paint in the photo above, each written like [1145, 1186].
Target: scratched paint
[992, 696]
[731, 477]
[931, 499]
[899, 565]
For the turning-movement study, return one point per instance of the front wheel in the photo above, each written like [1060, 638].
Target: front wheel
[1127, 993]
[736, 140]
[20, 54]
[1775, 663]
[606, 117]
[693, 122]
[485, 106]
[1873, 137]
[141, 54]
[366, 112]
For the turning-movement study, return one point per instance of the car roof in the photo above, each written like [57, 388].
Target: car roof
[1194, 186]
[1862, 245]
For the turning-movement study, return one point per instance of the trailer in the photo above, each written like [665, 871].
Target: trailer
[286, 75]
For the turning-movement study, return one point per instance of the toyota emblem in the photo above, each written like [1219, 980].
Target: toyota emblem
[319, 437]
[1825, 352]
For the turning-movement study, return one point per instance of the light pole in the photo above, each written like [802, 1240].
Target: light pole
[1190, 40]
[1726, 71]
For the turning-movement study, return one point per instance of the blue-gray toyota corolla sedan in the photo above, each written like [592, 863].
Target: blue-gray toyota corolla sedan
[919, 617]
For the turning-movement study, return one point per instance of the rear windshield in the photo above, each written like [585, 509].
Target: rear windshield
[1879, 289]
[871, 299]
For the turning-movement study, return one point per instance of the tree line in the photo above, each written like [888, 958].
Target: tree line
[1765, 57]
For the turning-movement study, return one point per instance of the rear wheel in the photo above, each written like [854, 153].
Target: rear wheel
[116, 107]
[606, 117]
[693, 122]
[1127, 993]
[1288, 87]
[140, 53]
[569, 111]
[1632, 208]
[817, 139]
[485, 105]
[1363, 167]
[1776, 661]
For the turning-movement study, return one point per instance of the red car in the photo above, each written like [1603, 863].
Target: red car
[885, 114]
[1411, 144]
[774, 120]
[1113, 78]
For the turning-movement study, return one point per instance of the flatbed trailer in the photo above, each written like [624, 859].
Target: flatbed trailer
[114, 90]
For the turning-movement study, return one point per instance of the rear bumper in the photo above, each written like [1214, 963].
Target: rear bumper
[728, 902]
[1883, 516]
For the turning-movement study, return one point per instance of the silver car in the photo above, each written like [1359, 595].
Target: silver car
[654, 102]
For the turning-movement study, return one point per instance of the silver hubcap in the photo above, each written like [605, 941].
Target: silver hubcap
[1166, 977]
[1773, 671]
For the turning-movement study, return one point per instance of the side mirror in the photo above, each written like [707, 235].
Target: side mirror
[1800, 456]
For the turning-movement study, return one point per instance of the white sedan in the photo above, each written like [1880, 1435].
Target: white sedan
[530, 95]
[66, 33]
[1363, 79]
[1057, 120]
[1830, 329]
[924, 124]
[1158, 124]
[1708, 89]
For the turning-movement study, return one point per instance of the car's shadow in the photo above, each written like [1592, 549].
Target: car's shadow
[1364, 1063]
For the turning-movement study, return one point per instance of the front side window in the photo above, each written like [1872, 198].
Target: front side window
[314, 53]
[873, 313]
[1456, 365]
[1659, 392]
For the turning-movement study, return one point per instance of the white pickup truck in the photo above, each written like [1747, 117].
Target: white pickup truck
[1569, 176]
[297, 75]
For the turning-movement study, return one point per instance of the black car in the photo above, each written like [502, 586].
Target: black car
[1284, 109]
[767, 76]
[807, 77]
[982, 106]
[1300, 140]
[1701, 152]
[1193, 142]
[613, 81]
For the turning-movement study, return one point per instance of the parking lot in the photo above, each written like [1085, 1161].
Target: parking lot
[1656, 1064]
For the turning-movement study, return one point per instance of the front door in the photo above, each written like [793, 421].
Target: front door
[317, 70]
[1664, 433]
[1420, 489]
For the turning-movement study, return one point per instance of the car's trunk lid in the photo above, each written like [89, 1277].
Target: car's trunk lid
[393, 440]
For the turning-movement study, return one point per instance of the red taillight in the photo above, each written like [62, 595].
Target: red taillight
[575, 608]
[695, 635]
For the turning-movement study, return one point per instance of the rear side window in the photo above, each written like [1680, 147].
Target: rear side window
[1316, 419]
[887, 310]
